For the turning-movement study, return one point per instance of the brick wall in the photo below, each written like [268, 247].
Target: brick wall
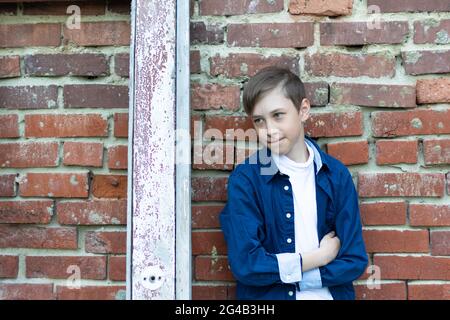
[377, 73]
[380, 89]
[63, 159]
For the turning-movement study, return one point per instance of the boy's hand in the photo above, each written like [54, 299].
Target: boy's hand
[329, 247]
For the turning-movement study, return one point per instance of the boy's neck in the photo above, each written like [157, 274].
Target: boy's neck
[299, 152]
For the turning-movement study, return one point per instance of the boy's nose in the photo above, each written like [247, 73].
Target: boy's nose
[273, 134]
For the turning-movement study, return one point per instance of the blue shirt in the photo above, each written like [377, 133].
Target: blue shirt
[256, 226]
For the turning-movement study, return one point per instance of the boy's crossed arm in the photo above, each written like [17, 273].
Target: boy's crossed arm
[328, 249]
[242, 224]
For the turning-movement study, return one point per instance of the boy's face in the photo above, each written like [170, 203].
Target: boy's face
[278, 123]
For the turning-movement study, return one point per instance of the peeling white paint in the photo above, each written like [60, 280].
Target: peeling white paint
[154, 147]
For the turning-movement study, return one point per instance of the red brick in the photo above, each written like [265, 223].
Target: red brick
[334, 124]
[26, 211]
[121, 125]
[410, 123]
[383, 213]
[236, 7]
[7, 185]
[229, 128]
[373, 95]
[208, 34]
[213, 156]
[413, 268]
[213, 96]
[432, 31]
[209, 189]
[317, 93]
[118, 157]
[95, 96]
[440, 243]
[387, 291]
[436, 151]
[429, 215]
[117, 268]
[349, 153]
[321, 8]
[396, 151]
[212, 268]
[9, 126]
[109, 186]
[91, 293]
[410, 5]
[93, 212]
[68, 185]
[213, 292]
[231, 293]
[350, 65]
[57, 267]
[248, 64]
[29, 97]
[206, 216]
[25, 291]
[428, 291]
[16, 236]
[426, 62]
[28, 155]
[401, 184]
[83, 154]
[86, 64]
[243, 152]
[208, 243]
[106, 242]
[274, 35]
[30, 35]
[194, 61]
[9, 66]
[104, 33]
[433, 90]
[9, 267]
[361, 33]
[396, 240]
[122, 64]
[120, 6]
[58, 8]
[65, 125]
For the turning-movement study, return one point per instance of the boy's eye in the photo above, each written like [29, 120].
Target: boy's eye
[278, 114]
[257, 121]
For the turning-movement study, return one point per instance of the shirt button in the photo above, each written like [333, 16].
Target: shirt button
[286, 188]
[291, 293]
[288, 215]
[288, 277]
[289, 240]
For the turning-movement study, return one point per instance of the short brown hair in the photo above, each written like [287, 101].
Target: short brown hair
[268, 79]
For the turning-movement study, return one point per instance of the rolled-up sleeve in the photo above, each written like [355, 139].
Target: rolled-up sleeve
[242, 223]
[290, 267]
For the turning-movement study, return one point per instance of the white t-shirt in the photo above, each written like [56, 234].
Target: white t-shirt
[302, 179]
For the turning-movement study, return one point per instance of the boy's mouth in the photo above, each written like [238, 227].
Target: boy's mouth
[275, 141]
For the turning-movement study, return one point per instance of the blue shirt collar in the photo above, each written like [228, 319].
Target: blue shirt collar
[269, 168]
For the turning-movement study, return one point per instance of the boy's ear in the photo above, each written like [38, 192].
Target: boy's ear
[305, 107]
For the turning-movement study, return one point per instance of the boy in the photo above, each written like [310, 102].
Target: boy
[284, 198]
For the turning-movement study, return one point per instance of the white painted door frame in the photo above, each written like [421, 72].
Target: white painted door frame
[159, 264]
